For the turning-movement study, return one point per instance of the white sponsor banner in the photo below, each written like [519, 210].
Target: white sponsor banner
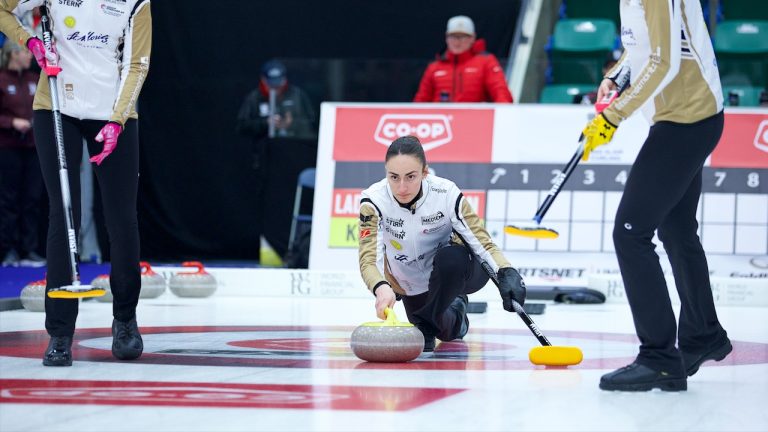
[550, 133]
[262, 282]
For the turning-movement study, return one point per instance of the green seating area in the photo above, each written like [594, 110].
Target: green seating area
[580, 47]
[744, 9]
[741, 47]
[592, 9]
[565, 93]
[586, 34]
[742, 95]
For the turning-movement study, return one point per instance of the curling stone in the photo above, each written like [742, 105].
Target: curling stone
[152, 284]
[33, 296]
[193, 284]
[102, 281]
[388, 341]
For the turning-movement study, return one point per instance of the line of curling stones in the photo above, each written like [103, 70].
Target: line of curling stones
[388, 341]
[198, 283]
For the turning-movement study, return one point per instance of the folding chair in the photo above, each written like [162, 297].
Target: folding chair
[306, 181]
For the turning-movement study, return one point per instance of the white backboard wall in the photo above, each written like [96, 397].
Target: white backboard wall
[504, 157]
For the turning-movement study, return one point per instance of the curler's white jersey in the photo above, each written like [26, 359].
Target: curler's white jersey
[669, 57]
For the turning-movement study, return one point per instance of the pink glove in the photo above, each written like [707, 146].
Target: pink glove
[48, 61]
[108, 134]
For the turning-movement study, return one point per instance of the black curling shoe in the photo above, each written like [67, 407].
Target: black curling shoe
[693, 361]
[429, 339]
[126, 340]
[429, 343]
[460, 304]
[637, 377]
[59, 351]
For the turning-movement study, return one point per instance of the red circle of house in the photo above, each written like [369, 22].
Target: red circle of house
[318, 347]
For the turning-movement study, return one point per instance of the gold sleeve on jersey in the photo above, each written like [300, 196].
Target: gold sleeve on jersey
[136, 52]
[658, 19]
[368, 253]
[10, 25]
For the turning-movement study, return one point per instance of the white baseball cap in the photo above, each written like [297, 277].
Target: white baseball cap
[460, 24]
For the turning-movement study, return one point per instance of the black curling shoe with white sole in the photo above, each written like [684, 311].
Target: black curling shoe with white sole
[59, 351]
[637, 377]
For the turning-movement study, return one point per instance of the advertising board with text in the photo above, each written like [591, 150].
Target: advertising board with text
[505, 157]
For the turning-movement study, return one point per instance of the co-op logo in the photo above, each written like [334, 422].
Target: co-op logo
[761, 139]
[433, 130]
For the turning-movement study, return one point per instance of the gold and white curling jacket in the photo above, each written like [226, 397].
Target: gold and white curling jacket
[104, 48]
[670, 63]
[398, 245]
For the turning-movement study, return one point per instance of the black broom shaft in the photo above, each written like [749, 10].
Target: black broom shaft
[559, 183]
[66, 196]
[519, 309]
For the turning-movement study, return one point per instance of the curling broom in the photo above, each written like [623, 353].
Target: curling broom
[546, 354]
[537, 231]
[75, 289]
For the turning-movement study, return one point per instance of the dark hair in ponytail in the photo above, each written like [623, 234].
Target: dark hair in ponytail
[407, 145]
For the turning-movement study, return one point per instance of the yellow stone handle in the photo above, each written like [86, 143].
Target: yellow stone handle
[391, 321]
[391, 317]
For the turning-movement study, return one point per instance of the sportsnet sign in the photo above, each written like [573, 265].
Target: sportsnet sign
[447, 135]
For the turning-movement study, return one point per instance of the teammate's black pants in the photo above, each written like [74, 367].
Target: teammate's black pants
[21, 191]
[118, 178]
[662, 192]
[455, 271]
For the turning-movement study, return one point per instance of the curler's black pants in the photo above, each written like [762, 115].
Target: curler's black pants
[454, 272]
[118, 178]
[662, 192]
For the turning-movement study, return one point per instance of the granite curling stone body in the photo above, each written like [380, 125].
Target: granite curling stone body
[388, 341]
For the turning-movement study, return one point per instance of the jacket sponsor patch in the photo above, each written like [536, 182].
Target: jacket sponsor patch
[432, 230]
[395, 233]
[432, 219]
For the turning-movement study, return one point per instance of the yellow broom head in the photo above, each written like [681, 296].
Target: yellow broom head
[76, 291]
[535, 232]
[555, 355]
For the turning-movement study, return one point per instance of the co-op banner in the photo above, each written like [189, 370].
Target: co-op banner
[506, 157]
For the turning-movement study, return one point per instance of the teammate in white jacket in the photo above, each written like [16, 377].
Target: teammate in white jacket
[421, 240]
[104, 50]
[673, 76]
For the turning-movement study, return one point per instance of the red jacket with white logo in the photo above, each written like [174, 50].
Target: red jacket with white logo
[472, 76]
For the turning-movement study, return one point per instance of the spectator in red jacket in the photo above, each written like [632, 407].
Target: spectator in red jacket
[466, 72]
